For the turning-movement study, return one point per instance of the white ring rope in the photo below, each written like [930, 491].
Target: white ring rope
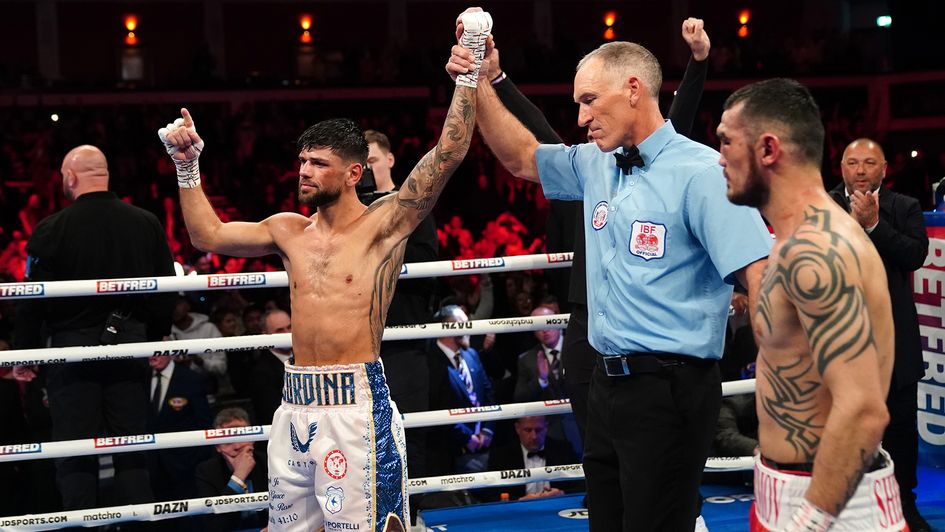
[195, 438]
[228, 281]
[259, 501]
[55, 355]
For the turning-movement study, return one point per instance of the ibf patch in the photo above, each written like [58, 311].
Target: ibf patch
[648, 240]
[599, 217]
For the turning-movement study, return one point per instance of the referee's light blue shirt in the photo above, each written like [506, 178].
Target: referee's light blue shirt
[663, 243]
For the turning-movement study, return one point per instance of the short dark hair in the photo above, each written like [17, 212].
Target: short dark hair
[230, 414]
[787, 103]
[378, 138]
[342, 136]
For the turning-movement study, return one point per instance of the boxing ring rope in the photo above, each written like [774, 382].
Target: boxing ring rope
[55, 355]
[196, 438]
[229, 281]
[257, 501]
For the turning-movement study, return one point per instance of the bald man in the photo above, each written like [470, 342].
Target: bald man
[896, 227]
[97, 237]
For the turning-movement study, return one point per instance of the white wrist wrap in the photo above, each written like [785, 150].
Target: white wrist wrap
[476, 29]
[809, 518]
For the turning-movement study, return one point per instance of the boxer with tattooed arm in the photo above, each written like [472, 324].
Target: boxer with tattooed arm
[336, 450]
[823, 324]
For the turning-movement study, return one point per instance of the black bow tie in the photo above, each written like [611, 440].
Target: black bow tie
[539, 454]
[628, 159]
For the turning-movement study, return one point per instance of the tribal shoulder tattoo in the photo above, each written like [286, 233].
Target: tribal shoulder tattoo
[812, 271]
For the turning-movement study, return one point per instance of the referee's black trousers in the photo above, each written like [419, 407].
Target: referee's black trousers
[648, 437]
[96, 399]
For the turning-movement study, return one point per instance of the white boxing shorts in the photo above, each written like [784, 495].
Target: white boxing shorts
[875, 504]
[337, 452]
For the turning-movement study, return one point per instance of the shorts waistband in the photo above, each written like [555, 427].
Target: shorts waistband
[339, 385]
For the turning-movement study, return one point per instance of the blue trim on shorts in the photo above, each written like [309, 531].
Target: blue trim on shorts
[389, 464]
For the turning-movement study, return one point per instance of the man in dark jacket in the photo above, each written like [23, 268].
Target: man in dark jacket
[531, 449]
[97, 237]
[897, 228]
[235, 469]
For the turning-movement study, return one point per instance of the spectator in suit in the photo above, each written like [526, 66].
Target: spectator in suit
[269, 371]
[457, 380]
[896, 227]
[235, 469]
[541, 378]
[533, 448]
[178, 403]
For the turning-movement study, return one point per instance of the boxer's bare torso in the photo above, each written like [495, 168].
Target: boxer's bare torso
[823, 302]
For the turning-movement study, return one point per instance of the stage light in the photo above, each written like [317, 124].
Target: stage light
[131, 39]
[743, 32]
[743, 16]
[54, 117]
[914, 153]
[131, 22]
[306, 37]
[609, 18]
[609, 34]
[884, 21]
[305, 20]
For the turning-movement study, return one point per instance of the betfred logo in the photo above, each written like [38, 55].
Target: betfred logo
[474, 410]
[235, 279]
[26, 448]
[473, 264]
[123, 441]
[125, 285]
[22, 290]
[232, 431]
[560, 257]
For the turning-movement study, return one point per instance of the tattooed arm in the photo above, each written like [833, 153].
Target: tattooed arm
[415, 199]
[823, 280]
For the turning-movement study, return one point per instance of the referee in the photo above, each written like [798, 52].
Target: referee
[97, 237]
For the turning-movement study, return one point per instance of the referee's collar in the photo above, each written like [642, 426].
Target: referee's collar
[100, 194]
[654, 143]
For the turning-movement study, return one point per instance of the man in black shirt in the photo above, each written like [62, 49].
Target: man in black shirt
[97, 237]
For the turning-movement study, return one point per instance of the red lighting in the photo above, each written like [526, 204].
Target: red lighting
[306, 37]
[305, 20]
[743, 16]
[609, 34]
[131, 22]
[609, 18]
[131, 39]
[743, 32]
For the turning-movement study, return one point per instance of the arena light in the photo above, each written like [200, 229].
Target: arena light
[884, 21]
[743, 16]
[609, 18]
[54, 117]
[131, 22]
[743, 32]
[131, 39]
[305, 20]
[306, 37]
[609, 34]
[914, 153]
